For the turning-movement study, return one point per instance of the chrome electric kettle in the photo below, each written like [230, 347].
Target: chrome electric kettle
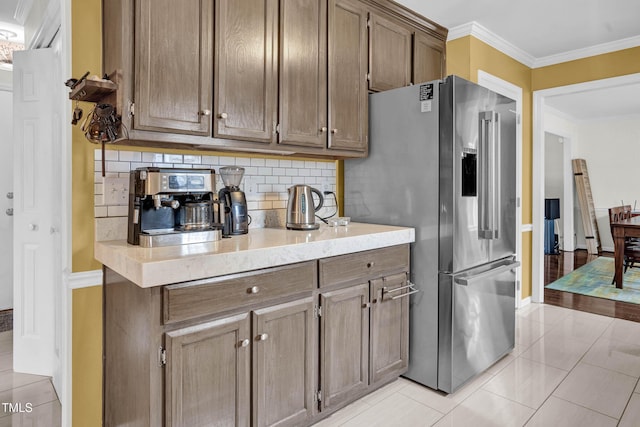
[301, 210]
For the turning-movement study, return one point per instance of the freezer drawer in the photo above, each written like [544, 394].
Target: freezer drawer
[477, 321]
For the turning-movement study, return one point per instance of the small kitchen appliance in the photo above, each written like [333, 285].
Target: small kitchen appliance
[301, 208]
[172, 206]
[234, 202]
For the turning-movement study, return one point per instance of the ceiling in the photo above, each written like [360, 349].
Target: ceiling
[546, 29]
[540, 29]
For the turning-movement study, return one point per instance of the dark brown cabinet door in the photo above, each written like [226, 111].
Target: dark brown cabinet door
[428, 58]
[173, 66]
[389, 54]
[245, 79]
[389, 327]
[284, 364]
[303, 73]
[348, 112]
[208, 374]
[344, 344]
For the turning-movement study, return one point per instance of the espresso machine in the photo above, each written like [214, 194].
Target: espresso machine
[173, 207]
[236, 218]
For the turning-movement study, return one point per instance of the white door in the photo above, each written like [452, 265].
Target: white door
[36, 203]
[6, 201]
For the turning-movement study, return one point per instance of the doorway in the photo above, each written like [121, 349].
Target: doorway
[6, 208]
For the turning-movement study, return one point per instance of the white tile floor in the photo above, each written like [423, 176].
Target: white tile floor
[569, 368]
[37, 399]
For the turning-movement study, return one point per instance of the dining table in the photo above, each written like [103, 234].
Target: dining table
[621, 230]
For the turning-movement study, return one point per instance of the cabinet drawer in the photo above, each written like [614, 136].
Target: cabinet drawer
[209, 296]
[361, 266]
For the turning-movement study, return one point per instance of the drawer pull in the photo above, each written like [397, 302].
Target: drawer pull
[263, 337]
[253, 290]
[244, 343]
[223, 115]
[370, 264]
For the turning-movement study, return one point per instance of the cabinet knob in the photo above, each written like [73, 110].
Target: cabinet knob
[10, 193]
[223, 115]
[263, 337]
[33, 227]
[366, 305]
[334, 130]
[370, 264]
[253, 290]
[323, 129]
[245, 342]
[204, 112]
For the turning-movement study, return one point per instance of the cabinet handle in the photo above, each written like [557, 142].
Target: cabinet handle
[204, 112]
[244, 343]
[323, 129]
[253, 290]
[334, 130]
[370, 264]
[263, 337]
[223, 115]
[366, 305]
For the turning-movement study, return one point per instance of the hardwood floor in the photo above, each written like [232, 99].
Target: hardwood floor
[556, 266]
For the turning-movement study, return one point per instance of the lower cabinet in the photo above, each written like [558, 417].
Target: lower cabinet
[283, 346]
[209, 369]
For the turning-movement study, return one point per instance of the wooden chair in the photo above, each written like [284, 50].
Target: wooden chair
[631, 245]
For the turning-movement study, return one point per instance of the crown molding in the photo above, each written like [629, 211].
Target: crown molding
[598, 49]
[23, 8]
[481, 33]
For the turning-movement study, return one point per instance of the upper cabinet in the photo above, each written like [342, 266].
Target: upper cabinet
[428, 58]
[348, 111]
[245, 79]
[280, 76]
[390, 54]
[173, 66]
[303, 73]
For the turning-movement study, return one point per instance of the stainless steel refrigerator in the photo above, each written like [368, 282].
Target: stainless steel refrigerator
[442, 159]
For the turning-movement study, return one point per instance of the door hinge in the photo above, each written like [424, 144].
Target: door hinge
[318, 396]
[368, 76]
[162, 356]
[517, 202]
[517, 285]
[132, 109]
[278, 128]
[317, 311]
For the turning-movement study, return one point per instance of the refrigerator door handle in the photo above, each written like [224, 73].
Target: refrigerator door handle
[470, 280]
[489, 195]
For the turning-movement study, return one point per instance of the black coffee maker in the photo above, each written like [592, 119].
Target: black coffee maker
[232, 199]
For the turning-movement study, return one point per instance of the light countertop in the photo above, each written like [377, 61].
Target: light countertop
[260, 248]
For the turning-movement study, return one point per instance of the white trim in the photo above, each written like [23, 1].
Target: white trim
[6, 88]
[50, 25]
[23, 8]
[525, 302]
[481, 33]
[586, 52]
[527, 228]
[514, 92]
[538, 127]
[85, 279]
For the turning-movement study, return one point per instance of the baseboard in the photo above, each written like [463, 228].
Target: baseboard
[525, 302]
[85, 279]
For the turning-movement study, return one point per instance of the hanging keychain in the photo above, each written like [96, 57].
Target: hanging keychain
[77, 113]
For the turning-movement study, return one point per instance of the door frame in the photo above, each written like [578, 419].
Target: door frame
[539, 128]
[514, 92]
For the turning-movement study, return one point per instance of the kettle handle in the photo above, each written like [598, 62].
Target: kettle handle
[320, 198]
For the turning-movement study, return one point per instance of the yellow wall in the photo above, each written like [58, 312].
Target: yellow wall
[598, 67]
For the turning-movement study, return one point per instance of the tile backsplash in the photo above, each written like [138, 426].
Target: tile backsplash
[265, 184]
